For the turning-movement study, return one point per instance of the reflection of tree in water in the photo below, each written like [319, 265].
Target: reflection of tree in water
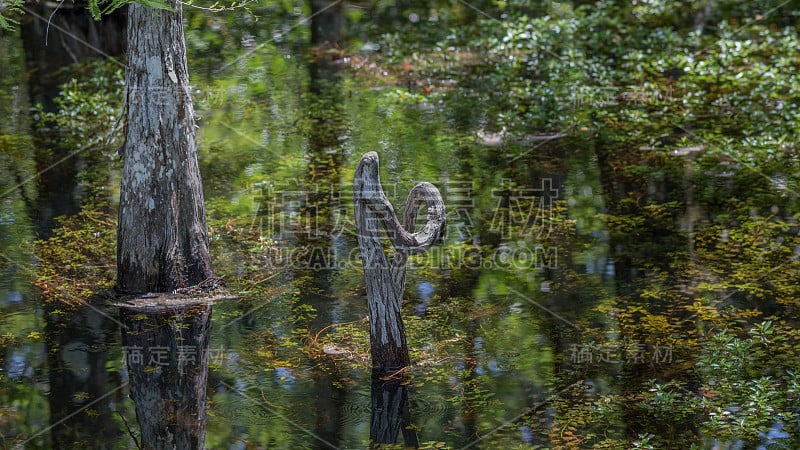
[323, 102]
[166, 351]
[16, 166]
[626, 195]
[315, 235]
[391, 414]
[537, 182]
[82, 389]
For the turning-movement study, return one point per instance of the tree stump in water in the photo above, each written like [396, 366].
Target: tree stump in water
[385, 280]
[162, 238]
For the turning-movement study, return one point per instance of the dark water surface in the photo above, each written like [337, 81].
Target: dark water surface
[575, 303]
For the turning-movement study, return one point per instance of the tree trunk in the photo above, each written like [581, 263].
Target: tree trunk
[385, 281]
[163, 239]
[327, 21]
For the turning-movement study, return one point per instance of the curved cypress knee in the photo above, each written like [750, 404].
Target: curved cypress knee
[385, 280]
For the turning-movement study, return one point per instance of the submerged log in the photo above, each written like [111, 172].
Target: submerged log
[385, 280]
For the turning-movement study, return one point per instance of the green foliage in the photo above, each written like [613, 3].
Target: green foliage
[751, 381]
[674, 222]
[10, 9]
[80, 259]
[665, 103]
[97, 9]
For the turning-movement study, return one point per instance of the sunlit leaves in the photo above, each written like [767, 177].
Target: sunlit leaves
[79, 260]
[9, 9]
[748, 390]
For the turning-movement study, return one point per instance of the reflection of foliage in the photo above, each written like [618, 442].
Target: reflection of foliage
[692, 133]
[17, 167]
[24, 402]
[754, 261]
[87, 121]
[87, 106]
[676, 227]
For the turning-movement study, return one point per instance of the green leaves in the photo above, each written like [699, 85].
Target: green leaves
[97, 8]
[7, 9]
[153, 4]
[94, 9]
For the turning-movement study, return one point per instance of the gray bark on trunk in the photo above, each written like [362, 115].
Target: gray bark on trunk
[163, 239]
[385, 281]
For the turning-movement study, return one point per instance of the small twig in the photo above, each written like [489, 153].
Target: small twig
[396, 374]
[268, 278]
[50, 19]
[316, 337]
[101, 222]
[270, 404]
[214, 8]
